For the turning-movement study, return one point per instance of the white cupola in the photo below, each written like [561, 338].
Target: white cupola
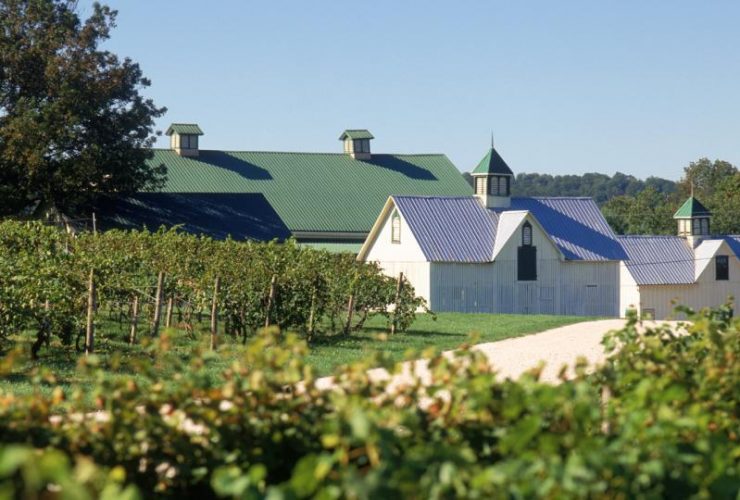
[493, 179]
[357, 143]
[693, 221]
[184, 138]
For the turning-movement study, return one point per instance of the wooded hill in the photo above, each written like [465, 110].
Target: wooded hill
[600, 187]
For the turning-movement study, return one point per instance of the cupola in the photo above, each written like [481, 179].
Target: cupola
[693, 220]
[493, 179]
[184, 138]
[357, 143]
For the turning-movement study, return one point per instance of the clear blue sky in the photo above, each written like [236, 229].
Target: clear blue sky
[567, 87]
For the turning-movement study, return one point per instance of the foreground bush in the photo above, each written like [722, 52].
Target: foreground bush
[659, 419]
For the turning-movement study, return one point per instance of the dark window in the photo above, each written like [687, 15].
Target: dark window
[722, 267]
[498, 185]
[527, 263]
[527, 234]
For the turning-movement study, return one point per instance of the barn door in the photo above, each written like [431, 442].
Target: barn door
[527, 298]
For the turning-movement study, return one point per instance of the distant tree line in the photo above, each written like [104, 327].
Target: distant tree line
[634, 206]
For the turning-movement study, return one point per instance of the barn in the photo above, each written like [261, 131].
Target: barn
[693, 268]
[327, 200]
[500, 254]
[495, 253]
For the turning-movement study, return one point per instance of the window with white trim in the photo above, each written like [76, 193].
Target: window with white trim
[395, 227]
[527, 234]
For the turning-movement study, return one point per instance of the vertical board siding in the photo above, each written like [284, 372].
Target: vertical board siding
[462, 287]
[416, 273]
[562, 287]
[572, 288]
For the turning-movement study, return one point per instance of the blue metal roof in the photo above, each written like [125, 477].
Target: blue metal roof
[218, 215]
[576, 225]
[449, 229]
[459, 229]
[733, 241]
[659, 260]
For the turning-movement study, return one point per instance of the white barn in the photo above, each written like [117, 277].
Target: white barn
[693, 269]
[500, 254]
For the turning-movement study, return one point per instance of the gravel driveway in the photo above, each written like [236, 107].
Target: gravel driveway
[512, 357]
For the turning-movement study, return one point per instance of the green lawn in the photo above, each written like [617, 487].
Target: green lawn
[448, 331]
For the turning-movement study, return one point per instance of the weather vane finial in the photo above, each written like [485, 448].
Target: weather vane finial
[491, 139]
[692, 188]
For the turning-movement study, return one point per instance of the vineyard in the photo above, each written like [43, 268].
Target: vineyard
[661, 418]
[59, 284]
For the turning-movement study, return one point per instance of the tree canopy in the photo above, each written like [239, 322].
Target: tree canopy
[73, 122]
[715, 183]
[634, 206]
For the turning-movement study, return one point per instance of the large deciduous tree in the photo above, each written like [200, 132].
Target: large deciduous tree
[73, 122]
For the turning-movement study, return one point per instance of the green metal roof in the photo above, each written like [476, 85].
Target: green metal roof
[314, 191]
[692, 208]
[492, 163]
[184, 128]
[335, 247]
[356, 134]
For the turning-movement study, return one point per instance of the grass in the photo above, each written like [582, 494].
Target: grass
[57, 365]
[449, 331]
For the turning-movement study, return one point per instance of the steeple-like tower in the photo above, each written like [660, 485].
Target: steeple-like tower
[693, 221]
[493, 179]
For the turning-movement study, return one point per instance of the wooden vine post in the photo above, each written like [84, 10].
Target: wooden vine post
[312, 314]
[214, 314]
[350, 310]
[90, 327]
[270, 299]
[134, 320]
[168, 315]
[399, 287]
[158, 304]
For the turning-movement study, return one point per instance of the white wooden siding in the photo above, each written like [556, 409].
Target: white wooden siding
[706, 292]
[384, 250]
[562, 287]
[629, 292]
[405, 257]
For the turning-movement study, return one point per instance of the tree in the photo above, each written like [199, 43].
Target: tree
[73, 124]
[725, 205]
[705, 176]
[650, 212]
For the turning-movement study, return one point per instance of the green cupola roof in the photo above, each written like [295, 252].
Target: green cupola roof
[692, 208]
[356, 134]
[184, 129]
[492, 163]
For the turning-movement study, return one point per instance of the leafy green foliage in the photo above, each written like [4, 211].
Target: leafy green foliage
[73, 123]
[658, 419]
[600, 187]
[44, 273]
[716, 184]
